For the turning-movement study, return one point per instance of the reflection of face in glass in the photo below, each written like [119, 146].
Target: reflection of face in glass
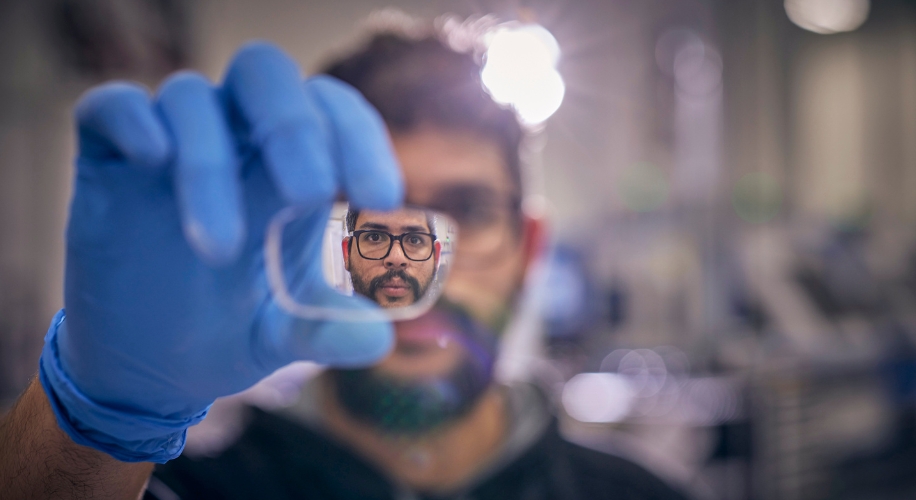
[392, 256]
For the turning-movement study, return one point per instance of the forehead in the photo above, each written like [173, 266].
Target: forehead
[435, 160]
[397, 220]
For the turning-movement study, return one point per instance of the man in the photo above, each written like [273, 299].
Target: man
[156, 328]
[394, 270]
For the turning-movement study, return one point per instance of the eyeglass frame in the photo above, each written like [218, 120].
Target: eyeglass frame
[512, 207]
[392, 238]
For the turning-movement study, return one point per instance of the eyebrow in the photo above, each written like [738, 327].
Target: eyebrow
[383, 227]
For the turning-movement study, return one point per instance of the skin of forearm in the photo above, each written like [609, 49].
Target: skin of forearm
[38, 460]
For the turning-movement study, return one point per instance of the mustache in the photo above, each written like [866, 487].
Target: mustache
[412, 283]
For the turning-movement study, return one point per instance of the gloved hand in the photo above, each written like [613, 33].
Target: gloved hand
[167, 304]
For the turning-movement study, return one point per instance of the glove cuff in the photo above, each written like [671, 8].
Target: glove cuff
[128, 436]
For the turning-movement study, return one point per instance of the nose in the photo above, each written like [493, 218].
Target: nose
[396, 257]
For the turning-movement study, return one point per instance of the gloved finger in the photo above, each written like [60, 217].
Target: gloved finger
[335, 343]
[332, 342]
[293, 254]
[341, 343]
[116, 120]
[206, 168]
[368, 169]
[264, 85]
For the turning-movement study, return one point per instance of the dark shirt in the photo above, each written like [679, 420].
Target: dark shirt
[276, 458]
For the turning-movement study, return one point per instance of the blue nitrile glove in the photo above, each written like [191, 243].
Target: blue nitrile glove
[167, 304]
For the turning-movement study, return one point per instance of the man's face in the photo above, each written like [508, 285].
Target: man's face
[442, 361]
[393, 273]
[442, 165]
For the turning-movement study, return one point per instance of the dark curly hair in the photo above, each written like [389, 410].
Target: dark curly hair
[416, 77]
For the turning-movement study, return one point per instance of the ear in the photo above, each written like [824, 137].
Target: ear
[345, 246]
[437, 251]
[534, 238]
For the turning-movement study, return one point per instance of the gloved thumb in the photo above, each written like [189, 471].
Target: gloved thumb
[339, 343]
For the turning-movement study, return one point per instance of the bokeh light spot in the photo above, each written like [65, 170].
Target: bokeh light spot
[827, 16]
[598, 397]
[520, 70]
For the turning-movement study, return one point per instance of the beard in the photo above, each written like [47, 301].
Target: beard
[413, 407]
[370, 289]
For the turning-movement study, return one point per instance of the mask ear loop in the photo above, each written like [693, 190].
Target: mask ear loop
[273, 264]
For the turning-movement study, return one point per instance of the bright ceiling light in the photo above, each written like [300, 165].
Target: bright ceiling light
[520, 70]
[827, 16]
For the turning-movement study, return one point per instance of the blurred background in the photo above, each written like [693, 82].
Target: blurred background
[730, 298]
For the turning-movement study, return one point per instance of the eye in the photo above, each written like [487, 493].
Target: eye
[473, 207]
[472, 216]
[373, 237]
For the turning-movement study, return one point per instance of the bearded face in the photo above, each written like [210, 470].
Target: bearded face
[391, 256]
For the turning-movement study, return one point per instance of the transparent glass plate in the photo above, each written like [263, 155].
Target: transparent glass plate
[376, 266]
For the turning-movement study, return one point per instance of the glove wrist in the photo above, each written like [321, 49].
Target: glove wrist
[129, 436]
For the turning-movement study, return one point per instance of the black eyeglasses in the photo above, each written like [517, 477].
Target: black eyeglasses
[376, 245]
[489, 224]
